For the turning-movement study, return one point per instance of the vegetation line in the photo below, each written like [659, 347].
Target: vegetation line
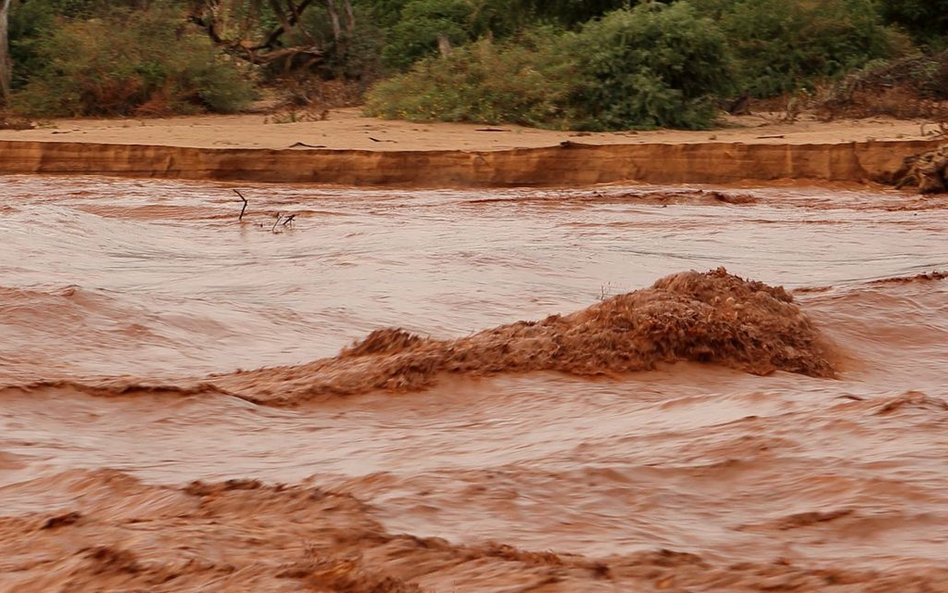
[564, 64]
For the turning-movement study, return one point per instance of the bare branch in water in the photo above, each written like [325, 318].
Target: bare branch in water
[244, 208]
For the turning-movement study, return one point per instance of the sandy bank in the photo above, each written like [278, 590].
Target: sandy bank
[353, 150]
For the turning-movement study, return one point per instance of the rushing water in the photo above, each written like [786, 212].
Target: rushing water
[764, 479]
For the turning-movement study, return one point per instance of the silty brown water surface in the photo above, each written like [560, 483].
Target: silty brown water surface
[134, 456]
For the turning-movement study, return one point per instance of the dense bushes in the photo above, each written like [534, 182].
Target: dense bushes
[782, 46]
[353, 55]
[906, 87]
[648, 67]
[590, 64]
[526, 83]
[658, 64]
[137, 62]
[924, 20]
[414, 27]
[654, 65]
[422, 24]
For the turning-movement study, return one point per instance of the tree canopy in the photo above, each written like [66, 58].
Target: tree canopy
[598, 64]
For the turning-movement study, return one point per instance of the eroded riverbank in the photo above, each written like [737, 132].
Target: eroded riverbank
[569, 164]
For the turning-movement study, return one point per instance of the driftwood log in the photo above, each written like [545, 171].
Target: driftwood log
[927, 171]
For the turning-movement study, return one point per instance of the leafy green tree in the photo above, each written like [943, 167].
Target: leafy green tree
[384, 13]
[353, 55]
[783, 46]
[653, 66]
[925, 20]
[424, 24]
[6, 65]
[28, 23]
[257, 30]
[414, 28]
[524, 13]
[572, 12]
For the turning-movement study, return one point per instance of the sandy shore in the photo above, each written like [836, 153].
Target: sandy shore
[347, 129]
[349, 149]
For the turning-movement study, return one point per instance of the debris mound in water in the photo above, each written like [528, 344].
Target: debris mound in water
[704, 317]
[925, 277]
[927, 171]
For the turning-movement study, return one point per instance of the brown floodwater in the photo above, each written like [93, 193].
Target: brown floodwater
[699, 434]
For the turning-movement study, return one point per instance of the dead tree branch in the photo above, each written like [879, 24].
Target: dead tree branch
[244, 208]
[211, 17]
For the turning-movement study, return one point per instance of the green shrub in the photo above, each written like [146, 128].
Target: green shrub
[925, 20]
[525, 83]
[422, 23]
[787, 45]
[570, 13]
[642, 68]
[139, 62]
[384, 13]
[652, 66]
[28, 23]
[415, 33]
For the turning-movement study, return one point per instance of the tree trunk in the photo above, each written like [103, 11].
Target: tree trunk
[6, 66]
[350, 17]
[334, 20]
[444, 45]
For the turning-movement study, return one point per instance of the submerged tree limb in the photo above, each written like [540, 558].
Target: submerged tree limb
[244, 208]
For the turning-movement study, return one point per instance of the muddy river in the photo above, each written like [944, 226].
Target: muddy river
[189, 402]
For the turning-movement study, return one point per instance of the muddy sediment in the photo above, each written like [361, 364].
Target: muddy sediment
[701, 317]
[571, 163]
